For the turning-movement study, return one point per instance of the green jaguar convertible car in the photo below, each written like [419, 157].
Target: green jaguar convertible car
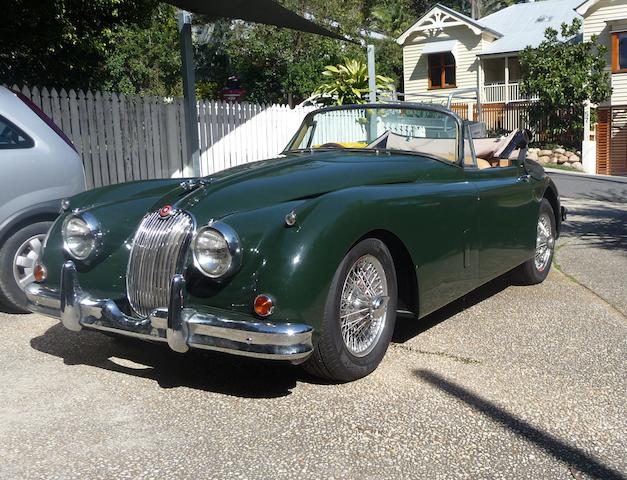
[307, 257]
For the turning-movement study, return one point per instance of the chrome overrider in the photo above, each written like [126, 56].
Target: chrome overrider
[177, 325]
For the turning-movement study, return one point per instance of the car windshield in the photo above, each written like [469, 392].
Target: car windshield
[413, 130]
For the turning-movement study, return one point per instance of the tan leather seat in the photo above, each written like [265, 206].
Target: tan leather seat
[481, 164]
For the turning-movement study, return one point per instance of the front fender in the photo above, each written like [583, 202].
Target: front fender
[295, 265]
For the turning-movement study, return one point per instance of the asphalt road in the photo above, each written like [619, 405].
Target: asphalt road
[588, 187]
[509, 382]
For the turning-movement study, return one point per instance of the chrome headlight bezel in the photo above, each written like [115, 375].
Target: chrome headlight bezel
[233, 246]
[95, 233]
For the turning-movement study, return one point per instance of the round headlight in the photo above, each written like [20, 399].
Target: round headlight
[216, 250]
[79, 237]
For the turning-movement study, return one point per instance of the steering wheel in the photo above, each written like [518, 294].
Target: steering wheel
[331, 145]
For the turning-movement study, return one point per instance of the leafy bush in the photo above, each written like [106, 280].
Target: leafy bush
[564, 73]
[348, 82]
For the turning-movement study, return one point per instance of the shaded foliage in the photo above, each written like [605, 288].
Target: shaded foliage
[131, 46]
[64, 42]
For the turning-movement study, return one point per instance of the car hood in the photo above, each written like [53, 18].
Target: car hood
[256, 185]
[296, 177]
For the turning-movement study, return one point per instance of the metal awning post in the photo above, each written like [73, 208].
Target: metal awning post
[372, 93]
[192, 162]
[372, 81]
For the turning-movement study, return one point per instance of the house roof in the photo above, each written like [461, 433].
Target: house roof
[583, 7]
[523, 24]
[514, 28]
[476, 25]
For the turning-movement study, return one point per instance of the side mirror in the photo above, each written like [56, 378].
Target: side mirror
[533, 168]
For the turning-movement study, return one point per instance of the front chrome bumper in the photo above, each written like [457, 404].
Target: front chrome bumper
[180, 327]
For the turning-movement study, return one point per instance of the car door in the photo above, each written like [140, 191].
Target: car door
[505, 224]
[444, 245]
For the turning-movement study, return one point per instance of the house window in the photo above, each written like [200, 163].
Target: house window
[619, 52]
[441, 70]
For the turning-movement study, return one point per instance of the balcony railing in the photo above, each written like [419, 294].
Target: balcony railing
[503, 93]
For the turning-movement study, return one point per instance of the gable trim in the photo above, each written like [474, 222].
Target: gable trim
[440, 17]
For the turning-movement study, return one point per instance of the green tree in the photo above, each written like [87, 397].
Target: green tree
[393, 17]
[144, 58]
[281, 65]
[63, 42]
[348, 83]
[564, 74]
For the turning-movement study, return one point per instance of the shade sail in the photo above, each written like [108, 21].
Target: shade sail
[257, 11]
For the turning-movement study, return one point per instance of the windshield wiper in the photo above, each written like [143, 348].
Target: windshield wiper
[337, 149]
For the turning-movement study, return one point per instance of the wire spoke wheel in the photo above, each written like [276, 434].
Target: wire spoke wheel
[544, 242]
[25, 259]
[363, 305]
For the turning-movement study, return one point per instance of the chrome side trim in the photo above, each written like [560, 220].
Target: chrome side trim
[180, 327]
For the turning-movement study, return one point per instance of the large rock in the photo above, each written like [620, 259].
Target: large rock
[533, 150]
[562, 159]
[544, 159]
[545, 153]
[560, 150]
[553, 159]
[577, 166]
[569, 154]
[532, 156]
[574, 158]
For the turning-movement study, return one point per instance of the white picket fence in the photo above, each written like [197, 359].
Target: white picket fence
[234, 133]
[129, 137]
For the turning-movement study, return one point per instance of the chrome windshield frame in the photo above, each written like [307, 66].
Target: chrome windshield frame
[389, 105]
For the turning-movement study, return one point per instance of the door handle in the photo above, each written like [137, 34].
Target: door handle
[523, 178]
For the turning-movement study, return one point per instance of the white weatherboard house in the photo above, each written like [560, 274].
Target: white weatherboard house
[445, 50]
[608, 20]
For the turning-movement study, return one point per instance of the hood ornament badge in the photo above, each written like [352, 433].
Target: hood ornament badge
[193, 184]
[166, 211]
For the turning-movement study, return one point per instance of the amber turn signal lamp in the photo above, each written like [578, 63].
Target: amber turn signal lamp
[39, 272]
[264, 305]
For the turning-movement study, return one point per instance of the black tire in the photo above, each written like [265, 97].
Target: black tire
[11, 295]
[528, 273]
[331, 359]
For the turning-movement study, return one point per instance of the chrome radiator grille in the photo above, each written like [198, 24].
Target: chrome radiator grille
[155, 258]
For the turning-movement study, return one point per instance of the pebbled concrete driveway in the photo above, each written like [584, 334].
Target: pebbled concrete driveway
[509, 382]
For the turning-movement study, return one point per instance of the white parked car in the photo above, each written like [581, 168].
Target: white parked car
[39, 167]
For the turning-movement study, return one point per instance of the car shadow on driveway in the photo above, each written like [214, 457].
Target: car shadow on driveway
[407, 327]
[577, 460]
[210, 371]
[214, 371]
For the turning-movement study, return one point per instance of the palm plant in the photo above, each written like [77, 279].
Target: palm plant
[348, 82]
